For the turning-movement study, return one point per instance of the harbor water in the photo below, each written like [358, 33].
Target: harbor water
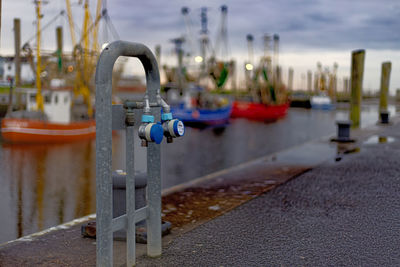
[45, 185]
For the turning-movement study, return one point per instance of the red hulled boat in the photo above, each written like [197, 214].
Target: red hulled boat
[258, 111]
[38, 131]
[52, 125]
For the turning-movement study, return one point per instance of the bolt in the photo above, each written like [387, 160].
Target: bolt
[144, 143]
[130, 117]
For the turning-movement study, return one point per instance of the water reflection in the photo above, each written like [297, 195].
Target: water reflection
[85, 198]
[45, 185]
[375, 139]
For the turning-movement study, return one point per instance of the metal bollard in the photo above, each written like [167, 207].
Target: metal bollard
[343, 132]
[384, 115]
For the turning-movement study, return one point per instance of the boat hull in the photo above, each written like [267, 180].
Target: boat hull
[259, 112]
[322, 102]
[203, 117]
[300, 103]
[37, 131]
[322, 106]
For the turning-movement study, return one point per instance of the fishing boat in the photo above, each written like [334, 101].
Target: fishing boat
[55, 124]
[266, 97]
[200, 110]
[192, 100]
[203, 116]
[56, 114]
[322, 102]
[300, 100]
[38, 131]
[259, 111]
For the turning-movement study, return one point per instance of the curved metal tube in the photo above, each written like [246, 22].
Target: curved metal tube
[103, 80]
[122, 48]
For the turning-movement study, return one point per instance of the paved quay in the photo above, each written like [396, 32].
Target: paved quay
[345, 212]
[317, 204]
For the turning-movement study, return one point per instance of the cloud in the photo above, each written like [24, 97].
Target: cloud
[303, 25]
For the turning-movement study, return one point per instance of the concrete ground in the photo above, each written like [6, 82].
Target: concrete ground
[345, 212]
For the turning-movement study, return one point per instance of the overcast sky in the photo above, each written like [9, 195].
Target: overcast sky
[310, 30]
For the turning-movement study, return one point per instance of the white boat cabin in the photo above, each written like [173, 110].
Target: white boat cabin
[57, 104]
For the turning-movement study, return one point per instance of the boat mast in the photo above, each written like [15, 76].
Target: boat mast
[95, 45]
[221, 44]
[39, 96]
[277, 71]
[178, 42]
[189, 38]
[249, 64]
[84, 70]
[204, 41]
[85, 37]
[250, 49]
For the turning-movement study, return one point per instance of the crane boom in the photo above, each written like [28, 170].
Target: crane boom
[95, 45]
[71, 23]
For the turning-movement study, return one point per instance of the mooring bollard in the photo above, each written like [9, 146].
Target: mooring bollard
[119, 196]
[383, 100]
[357, 72]
[343, 132]
[151, 131]
[384, 116]
[119, 205]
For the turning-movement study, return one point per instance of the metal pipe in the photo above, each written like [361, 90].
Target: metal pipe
[130, 197]
[163, 104]
[146, 108]
[140, 104]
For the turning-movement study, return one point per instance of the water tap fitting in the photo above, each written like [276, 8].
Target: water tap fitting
[173, 128]
[150, 131]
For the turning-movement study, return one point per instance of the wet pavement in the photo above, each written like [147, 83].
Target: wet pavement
[341, 213]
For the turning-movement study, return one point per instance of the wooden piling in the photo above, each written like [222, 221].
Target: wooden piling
[346, 85]
[17, 47]
[357, 72]
[290, 79]
[158, 55]
[385, 79]
[316, 79]
[309, 81]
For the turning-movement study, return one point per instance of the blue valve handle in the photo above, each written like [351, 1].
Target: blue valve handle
[156, 133]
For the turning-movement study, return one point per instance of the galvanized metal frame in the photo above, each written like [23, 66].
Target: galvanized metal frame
[105, 224]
